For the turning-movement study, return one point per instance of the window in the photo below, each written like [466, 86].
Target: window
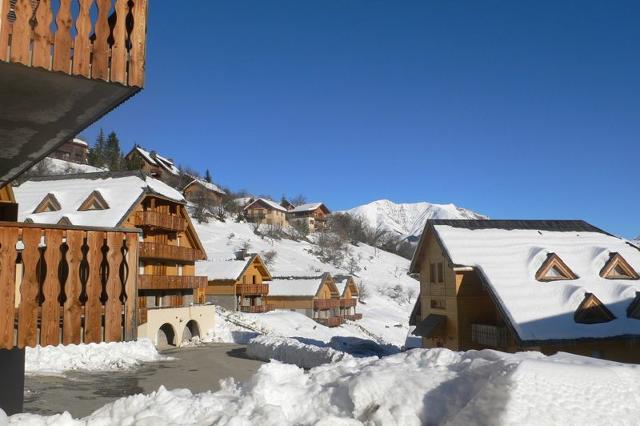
[592, 311]
[432, 273]
[617, 268]
[554, 269]
[440, 272]
[94, 201]
[633, 311]
[438, 304]
[48, 204]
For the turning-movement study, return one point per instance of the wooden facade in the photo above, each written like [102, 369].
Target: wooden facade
[314, 215]
[75, 151]
[349, 300]
[321, 304]
[266, 212]
[198, 191]
[246, 292]
[457, 310]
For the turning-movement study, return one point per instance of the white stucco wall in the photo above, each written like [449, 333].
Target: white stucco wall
[203, 315]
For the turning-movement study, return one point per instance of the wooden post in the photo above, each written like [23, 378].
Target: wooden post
[138, 43]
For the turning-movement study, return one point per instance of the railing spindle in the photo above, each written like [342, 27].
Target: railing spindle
[113, 314]
[119, 49]
[50, 325]
[62, 40]
[5, 29]
[72, 323]
[21, 34]
[100, 64]
[93, 307]
[28, 309]
[82, 43]
[8, 254]
[42, 35]
[138, 43]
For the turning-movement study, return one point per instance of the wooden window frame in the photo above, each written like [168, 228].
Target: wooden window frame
[440, 268]
[592, 311]
[554, 261]
[432, 273]
[94, 198]
[616, 260]
[633, 311]
[48, 204]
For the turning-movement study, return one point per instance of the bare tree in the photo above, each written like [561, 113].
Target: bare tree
[363, 291]
[411, 292]
[269, 257]
[298, 200]
[353, 265]
[300, 227]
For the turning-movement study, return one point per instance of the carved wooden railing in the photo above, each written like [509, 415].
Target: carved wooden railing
[255, 309]
[330, 322]
[108, 45]
[348, 303]
[352, 317]
[160, 220]
[168, 282]
[61, 284]
[326, 303]
[168, 252]
[262, 289]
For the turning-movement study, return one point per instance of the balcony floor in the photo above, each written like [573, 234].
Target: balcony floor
[40, 109]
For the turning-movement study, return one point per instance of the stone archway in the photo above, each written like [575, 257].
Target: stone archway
[166, 336]
[191, 330]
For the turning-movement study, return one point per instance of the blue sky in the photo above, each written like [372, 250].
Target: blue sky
[527, 109]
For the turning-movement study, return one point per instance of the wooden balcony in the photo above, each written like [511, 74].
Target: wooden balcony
[164, 282]
[348, 303]
[73, 285]
[330, 322]
[168, 252]
[160, 220]
[63, 65]
[257, 309]
[354, 317]
[490, 335]
[323, 304]
[252, 289]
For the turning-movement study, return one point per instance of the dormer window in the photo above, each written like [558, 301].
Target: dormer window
[95, 201]
[554, 269]
[633, 311]
[49, 204]
[592, 311]
[617, 268]
[65, 221]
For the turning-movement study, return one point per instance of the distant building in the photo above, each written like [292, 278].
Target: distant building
[266, 212]
[170, 297]
[315, 297]
[154, 165]
[240, 284]
[200, 190]
[348, 297]
[74, 151]
[516, 285]
[313, 214]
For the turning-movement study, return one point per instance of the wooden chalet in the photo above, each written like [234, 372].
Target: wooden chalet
[155, 165]
[170, 296]
[315, 297]
[240, 284]
[519, 285]
[198, 190]
[348, 297]
[314, 214]
[266, 212]
[71, 67]
[74, 151]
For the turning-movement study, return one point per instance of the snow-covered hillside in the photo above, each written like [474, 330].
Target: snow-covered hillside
[391, 291]
[407, 220]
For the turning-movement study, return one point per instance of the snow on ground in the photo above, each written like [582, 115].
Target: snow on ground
[55, 166]
[385, 311]
[292, 351]
[417, 387]
[55, 360]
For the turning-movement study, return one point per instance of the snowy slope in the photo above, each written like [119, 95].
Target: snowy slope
[407, 220]
[387, 308]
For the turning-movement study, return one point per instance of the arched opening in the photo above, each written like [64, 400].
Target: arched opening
[166, 336]
[191, 330]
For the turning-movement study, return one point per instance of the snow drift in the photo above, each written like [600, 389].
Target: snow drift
[417, 387]
[52, 360]
[292, 351]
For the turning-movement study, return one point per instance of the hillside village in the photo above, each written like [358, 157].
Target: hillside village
[136, 290]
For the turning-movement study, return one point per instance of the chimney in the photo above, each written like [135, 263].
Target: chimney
[241, 254]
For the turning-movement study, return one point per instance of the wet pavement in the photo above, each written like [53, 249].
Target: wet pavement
[198, 369]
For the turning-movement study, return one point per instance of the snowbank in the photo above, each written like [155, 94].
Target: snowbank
[413, 388]
[292, 351]
[52, 360]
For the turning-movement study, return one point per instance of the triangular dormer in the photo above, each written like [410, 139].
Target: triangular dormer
[592, 311]
[633, 311]
[617, 268]
[65, 221]
[49, 204]
[554, 269]
[95, 201]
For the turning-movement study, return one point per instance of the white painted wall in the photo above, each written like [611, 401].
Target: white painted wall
[204, 315]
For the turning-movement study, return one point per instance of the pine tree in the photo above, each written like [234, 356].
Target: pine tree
[113, 154]
[207, 176]
[97, 153]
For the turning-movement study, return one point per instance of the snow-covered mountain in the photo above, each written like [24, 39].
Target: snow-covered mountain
[407, 220]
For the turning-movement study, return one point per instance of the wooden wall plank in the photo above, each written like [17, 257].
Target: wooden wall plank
[63, 41]
[100, 62]
[21, 35]
[113, 308]
[131, 288]
[50, 326]
[42, 35]
[82, 43]
[5, 29]
[8, 254]
[93, 307]
[71, 330]
[138, 44]
[119, 50]
[28, 309]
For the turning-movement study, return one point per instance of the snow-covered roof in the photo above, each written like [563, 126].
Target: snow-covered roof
[119, 191]
[508, 260]
[341, 283]
[222, 269]
[210, 186]
[146, 155]
[269, 203]
[307, 207]
[167, 164]
[79, 141]
[300, 287]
